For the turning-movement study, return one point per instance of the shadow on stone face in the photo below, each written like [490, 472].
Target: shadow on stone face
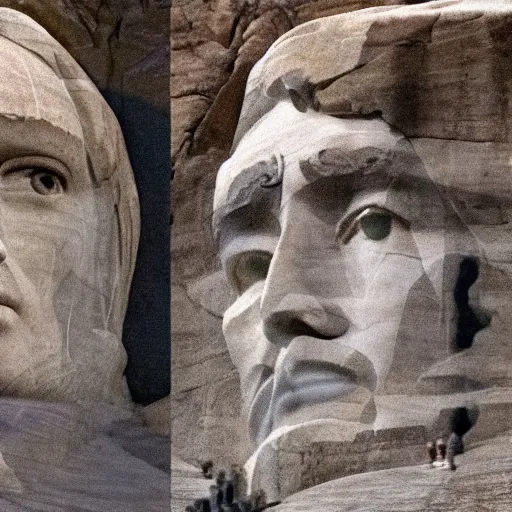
[462, 420]
[468, 324]
[147, 323]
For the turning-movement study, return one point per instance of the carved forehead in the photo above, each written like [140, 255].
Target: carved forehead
[301, 147]
[37, 115]
[285, 137]
[434, 70]
[29, 89]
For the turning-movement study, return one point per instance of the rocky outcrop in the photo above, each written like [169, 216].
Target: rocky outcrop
[480, 482]
[187, 485]
[300, 459]
[122, 46]
[59, 456]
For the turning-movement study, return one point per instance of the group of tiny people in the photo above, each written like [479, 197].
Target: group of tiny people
[228, 493]
[442, 454]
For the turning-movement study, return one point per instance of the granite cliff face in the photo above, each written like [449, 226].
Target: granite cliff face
[121, 45]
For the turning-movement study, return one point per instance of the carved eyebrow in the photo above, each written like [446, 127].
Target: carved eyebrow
[334, 162]
[256, 184]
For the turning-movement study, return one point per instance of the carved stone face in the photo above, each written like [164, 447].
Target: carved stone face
[373, 273]
[61, 268]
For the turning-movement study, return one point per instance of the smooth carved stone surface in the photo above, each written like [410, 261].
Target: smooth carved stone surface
[123, 46]
[59, 457]
[302, 457]
[363, 222]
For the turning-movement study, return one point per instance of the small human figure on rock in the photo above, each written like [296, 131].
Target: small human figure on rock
[244, 505]
[207, 469]
[202, 505]
[220, 480]
[455, 443]
[259, 499]
[229, 491]
[462, 419]
[214, 498]
[431, 452]
[237, 478]
[442, 461]
[440, 453]
[450, 458]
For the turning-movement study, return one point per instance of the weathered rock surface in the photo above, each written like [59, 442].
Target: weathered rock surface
[63, 457]
[480, 482]
[301, 458]
[395, 61]
[122, 46]
[403, 318]
[187, 484]
[57, 456]
[124, 49]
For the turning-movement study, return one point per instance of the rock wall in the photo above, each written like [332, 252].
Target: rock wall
[213, 47]
[121, 44]
[481, 482]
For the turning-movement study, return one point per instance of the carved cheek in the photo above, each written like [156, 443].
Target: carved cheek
[52, 245]
[247, 345]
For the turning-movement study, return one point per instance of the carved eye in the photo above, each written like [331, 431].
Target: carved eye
[374, 222]
[248, 268]
[45, 182]
[43, 175]
[376, 225]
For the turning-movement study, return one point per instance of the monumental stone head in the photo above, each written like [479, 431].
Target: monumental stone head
[364, 220]
[68, 224]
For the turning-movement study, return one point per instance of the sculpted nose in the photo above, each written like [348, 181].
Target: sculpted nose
[304, 283]
[299, 314]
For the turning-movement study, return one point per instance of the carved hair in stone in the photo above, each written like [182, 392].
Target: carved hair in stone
[364, 222]
[69, 224]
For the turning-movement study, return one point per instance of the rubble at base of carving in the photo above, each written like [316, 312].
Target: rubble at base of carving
[363, 220]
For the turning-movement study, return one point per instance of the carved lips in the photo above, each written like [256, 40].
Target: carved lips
[300, 384]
